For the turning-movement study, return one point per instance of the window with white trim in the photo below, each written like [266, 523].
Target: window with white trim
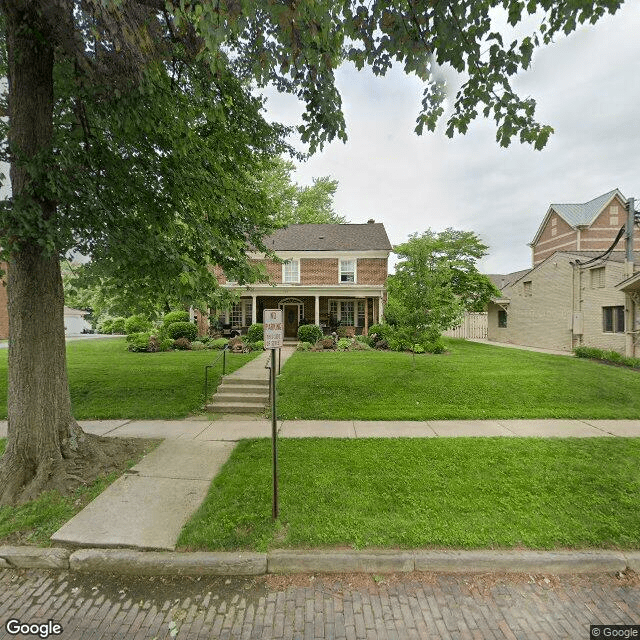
[347, 270]
[291, 271]
[554, 227]
[343, 311]
[361, 310]
[597, 278]
[613, 215]
[236, 315]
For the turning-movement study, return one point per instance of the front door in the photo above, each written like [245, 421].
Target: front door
[290, 320]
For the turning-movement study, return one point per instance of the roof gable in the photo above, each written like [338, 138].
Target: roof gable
[579, 214]
[329, 237]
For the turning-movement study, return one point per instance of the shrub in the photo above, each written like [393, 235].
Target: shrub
[328, 343]
[358, 345]
[182, 343]
[304, 346]
[138, 342]
[381, 344]
[197, 346]
[258, 345]
[309, 333]
[166, 344]
[136, 324]
[255, 332]
[346, 332]
[182, 330]
[118, 325]
[343, 344]
[606, 356]
[105, 325]
[365, 340]
[383, 331]
[175, 316]
[218, 343]
[418, 348]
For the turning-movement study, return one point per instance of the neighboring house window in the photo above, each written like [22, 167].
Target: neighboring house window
[291, 271]
[597, 278]
[502, 318]
[527, 288]
[554, 227]
[347, 270]
[613, 215]
[613, 319]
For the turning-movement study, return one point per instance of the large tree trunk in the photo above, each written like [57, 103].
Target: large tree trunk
[44, 441]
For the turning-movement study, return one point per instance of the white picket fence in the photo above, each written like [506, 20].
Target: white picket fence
[474, 325]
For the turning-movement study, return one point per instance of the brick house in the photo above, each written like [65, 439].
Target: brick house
[573, 295]
[332, 274]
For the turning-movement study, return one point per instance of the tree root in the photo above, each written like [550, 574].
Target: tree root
[91, 457]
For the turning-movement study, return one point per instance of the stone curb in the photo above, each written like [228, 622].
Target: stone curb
[339, 561]
[34, 558]
[127, 561]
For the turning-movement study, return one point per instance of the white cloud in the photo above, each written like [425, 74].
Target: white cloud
[586, 87]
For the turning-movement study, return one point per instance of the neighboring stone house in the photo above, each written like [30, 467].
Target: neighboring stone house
[569, 299]
[333, 274]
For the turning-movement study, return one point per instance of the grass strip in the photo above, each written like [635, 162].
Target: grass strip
[471, 381]
[423, 493]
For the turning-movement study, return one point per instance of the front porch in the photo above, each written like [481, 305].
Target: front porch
[327, 311]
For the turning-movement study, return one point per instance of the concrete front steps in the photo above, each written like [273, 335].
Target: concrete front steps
[240, 395]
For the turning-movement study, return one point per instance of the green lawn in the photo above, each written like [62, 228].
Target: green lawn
[470, 381]
[107, 381]
[35, 521]
[421, 493]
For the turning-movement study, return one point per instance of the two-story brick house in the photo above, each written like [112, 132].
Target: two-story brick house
[332, 274]
[574, 295]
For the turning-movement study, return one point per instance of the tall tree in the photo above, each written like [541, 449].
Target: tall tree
[435, 281]
[102, 51]
[300, 204]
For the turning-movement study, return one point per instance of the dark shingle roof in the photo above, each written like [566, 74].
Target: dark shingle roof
[502, 280]
[330, 237]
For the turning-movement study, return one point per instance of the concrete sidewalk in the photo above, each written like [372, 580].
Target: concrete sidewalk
[234, 428]
[239, 428]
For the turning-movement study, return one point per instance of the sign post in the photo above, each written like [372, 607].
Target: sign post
[273, 338]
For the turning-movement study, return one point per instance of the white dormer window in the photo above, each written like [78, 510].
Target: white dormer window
[347, 270]
[291, 271]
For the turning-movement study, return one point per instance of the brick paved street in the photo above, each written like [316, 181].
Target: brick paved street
[90, 607]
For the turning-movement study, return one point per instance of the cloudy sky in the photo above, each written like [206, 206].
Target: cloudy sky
[587, 87]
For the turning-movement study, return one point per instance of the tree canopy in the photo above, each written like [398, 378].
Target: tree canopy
[295, 204]
[135, 135]
[435, 282]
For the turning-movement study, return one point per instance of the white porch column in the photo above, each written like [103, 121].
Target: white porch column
[380, 309]
[316, 318]
[254, 311]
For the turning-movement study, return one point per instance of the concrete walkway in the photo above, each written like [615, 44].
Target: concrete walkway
[555, 352]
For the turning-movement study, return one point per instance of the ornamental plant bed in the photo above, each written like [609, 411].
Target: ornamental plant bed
[425, 493]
